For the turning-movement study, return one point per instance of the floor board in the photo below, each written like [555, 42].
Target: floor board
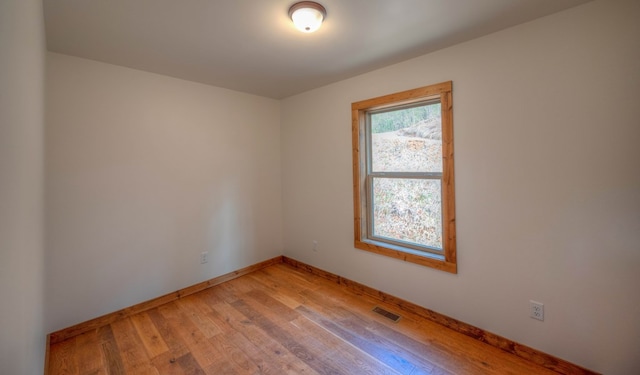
[279, 320]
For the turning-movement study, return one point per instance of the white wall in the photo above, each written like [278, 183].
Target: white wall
[22, 59]
[143, 173]
[547, 142]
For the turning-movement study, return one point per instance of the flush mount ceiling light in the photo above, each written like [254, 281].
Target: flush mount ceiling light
[307, 16]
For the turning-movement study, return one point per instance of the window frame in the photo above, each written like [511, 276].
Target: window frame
[445, 260]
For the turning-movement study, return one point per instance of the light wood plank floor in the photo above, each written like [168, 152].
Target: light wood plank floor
[278, 320]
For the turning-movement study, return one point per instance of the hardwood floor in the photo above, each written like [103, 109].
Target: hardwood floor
[279, 320]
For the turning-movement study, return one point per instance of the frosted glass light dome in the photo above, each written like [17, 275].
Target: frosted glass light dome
[307, 16]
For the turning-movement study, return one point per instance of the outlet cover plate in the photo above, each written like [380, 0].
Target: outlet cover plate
[537, 310]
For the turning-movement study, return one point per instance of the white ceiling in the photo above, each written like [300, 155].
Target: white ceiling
[252, 46]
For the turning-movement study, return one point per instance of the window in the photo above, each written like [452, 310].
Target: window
[403, 176]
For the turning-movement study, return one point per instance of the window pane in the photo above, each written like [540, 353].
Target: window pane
[407, 140]
[408, 210]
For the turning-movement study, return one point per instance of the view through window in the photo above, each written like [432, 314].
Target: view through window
[405, 175]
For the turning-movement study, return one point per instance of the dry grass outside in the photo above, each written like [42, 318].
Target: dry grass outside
[408, 209]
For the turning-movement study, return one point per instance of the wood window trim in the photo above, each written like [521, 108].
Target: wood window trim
[448, 260]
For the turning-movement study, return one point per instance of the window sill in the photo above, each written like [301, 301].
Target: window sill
[408, 255]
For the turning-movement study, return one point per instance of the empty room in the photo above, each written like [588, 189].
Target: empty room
[330, 187]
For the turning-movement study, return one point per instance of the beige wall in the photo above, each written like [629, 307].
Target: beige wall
[143, 173]
[547, 142]
[22, 57]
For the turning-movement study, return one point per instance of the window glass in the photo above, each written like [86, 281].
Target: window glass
[408, 139]
[408, 210]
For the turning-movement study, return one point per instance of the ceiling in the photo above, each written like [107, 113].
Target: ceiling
[252, 46]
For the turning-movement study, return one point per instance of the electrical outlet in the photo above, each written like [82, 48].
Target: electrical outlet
[314, 244]
[204, 257]
[537, 310]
